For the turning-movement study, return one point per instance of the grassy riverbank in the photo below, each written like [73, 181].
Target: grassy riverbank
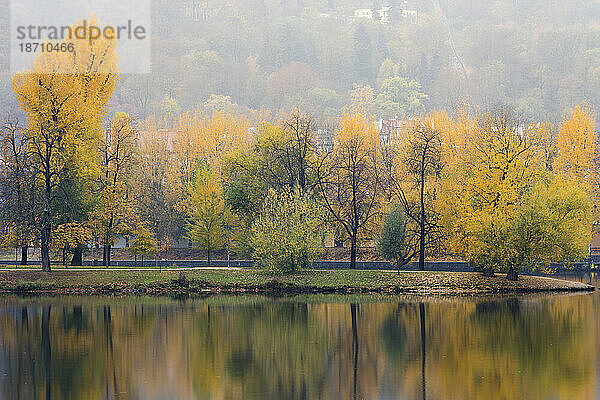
[224, 281]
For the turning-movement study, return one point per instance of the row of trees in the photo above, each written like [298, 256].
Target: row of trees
[501, 194]
[50, 160]
[64, 173]
[481, 185]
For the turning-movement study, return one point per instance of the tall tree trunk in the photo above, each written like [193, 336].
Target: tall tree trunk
[422, 247]
[512, 274]
[46, 223]
[24, 250]
[77, 257]
[142, 261]
[208, 256]
[106, 255]
[422, 227]
[107, 247]
[45, 248]
[353, 251]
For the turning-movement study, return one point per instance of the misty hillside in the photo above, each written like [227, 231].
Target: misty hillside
[540, 56]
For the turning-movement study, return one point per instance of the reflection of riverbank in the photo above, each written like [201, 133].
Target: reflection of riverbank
[258, 299]
[530, 347]
[592, 278]
[239, 281]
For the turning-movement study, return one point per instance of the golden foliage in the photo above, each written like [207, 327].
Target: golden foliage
[500, 205]
[209, 216]
[207, 138]
[287, 234]
[71, 235]
[65, 96]
[577, 142]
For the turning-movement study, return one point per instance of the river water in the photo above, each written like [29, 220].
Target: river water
[313, 347]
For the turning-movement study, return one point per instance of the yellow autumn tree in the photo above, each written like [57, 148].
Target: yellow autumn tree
[349, 179]
[112, 215]
[503, 210]
[143, 242]
[576, 147]
[199, 140]
[65, 96]
[287, 234]
[157, 200]
[576, 142]
[413, 158]
[208, 138]
[493, 165]
[69, 237]
[209, 215]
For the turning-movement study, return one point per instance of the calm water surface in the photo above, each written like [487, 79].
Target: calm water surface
[540, 347]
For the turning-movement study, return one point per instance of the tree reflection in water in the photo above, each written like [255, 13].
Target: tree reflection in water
[256, 348]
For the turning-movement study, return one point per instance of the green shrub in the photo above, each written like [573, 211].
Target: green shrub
[286, 236]
[396, 242]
